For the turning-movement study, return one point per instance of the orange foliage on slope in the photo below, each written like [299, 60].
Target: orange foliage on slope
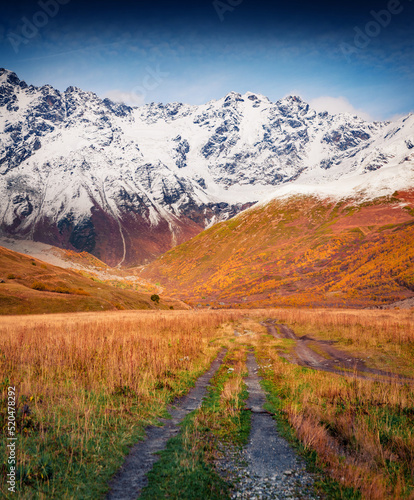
[299, 251]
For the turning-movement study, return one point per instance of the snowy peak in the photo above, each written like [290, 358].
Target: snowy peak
[292, 105]
[10, 78]
[75, 168]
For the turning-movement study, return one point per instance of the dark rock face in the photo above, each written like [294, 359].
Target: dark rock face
[220, 211]
[91, 174]
[22, 207]
[345, 139]
[376, 163]
[326, 164]
[13, 156]
[83, 236]
[133, 203]
[182, 151]
[201, 182]
[50, 107]
[214, 145]
[7, 96]
[118, 109]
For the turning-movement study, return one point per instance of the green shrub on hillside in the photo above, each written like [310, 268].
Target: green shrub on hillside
[155, 298]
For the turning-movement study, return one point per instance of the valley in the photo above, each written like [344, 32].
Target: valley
[90, 384]
[207, 301]
[29, 286]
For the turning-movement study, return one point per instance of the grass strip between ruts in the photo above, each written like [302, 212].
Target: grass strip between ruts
[185, 469]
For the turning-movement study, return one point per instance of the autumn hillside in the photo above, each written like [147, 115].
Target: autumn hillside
[29, 285]
[299, 251]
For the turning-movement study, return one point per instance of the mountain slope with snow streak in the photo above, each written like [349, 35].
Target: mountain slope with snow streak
[127, 184]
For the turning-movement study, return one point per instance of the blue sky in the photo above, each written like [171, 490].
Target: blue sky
[192, 52]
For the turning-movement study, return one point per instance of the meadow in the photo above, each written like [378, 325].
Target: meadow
[88, 384]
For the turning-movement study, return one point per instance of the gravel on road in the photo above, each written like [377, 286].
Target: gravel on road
[131, 478]
[268, 467]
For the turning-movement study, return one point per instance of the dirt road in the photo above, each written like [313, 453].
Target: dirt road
[268, 467]
[131, 478]
[333, 360]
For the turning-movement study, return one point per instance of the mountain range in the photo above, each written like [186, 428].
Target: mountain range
[129, 183]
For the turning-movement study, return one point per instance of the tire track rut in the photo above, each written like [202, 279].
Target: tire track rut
[336, 361]
[268, 467]
[131, 478]
[267, 452]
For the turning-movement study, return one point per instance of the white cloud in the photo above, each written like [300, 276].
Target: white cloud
[131, 98]
[336, 105]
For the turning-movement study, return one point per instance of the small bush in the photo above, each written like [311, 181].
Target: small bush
[33, 263]
[155, 298]
[61, 289]
[38, 285]
[120, 307]
[11, 276]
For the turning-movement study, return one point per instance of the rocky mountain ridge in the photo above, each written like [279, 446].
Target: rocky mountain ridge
[128, 183]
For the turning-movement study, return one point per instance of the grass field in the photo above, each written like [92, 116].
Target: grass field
[383, 338]
[87, 384]
[90, 382]
[30, 286]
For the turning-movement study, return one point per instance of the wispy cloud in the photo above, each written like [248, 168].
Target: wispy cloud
[336, 105]
[130, 98]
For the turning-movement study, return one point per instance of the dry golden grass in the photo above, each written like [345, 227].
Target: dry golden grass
[384, 339]
[32, 286]
[107, 350]
[366, 328]
[87, 375]
[92, 381]
[361, 430]
[233, 386]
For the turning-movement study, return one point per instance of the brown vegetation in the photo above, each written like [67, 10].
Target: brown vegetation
[44, 288]
[298, 251]
[91, 382]
[383, 339]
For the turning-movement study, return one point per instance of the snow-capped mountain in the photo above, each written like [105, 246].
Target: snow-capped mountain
[128, 183]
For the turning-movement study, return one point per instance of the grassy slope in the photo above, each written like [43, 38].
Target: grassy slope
[64, 290]
[299, 251]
